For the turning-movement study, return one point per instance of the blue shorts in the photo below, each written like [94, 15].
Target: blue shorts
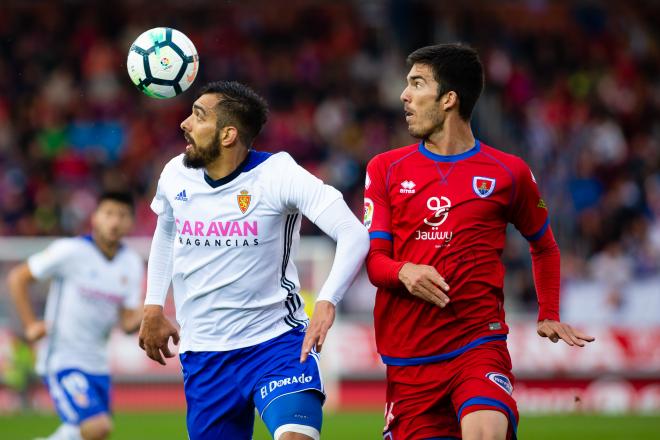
[223, 387]
[78, 395]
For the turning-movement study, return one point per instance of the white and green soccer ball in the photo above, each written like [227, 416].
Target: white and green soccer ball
[162, 62]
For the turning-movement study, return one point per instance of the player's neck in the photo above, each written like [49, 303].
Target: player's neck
[108, 249]
[227, 163]
[454, 138]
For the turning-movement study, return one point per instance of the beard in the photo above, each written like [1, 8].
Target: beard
[200, 157]
[436, 124]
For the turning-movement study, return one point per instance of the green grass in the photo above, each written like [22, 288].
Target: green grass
[350, 426]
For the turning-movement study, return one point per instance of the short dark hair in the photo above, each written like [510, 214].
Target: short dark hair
[455, 67]
[123, 197]
[240, 106]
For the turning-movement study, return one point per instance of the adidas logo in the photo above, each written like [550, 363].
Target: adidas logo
[182, 196]
[407, 187]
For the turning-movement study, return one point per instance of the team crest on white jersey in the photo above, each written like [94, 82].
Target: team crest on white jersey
[243, 200]
[483, 186]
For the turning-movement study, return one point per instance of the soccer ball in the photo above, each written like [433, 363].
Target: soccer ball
[162, 62]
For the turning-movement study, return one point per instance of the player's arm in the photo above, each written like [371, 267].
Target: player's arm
[298, 190]
[545, 267]
[130, 314]
[384, 271]
[339, 223]
[530, 216]
[130, 319]
[19, 280]
[156, 330]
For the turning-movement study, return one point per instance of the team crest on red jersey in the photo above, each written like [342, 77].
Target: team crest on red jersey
[244, 201]
[483, 186]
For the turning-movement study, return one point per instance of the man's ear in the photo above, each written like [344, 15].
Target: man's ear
[228, 136]
[449, 100]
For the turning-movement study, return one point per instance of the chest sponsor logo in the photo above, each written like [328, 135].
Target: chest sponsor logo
[501, 381]
[182, 197]
[368, 212]
[439, 207]
[94, 294]
[218, 233]
[407, 187]
[483, 186]
[243, 200]
[275, 384]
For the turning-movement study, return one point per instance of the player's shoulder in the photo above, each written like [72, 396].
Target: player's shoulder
[275, 165]
[387, 158]
[511, 161]
[280, 158]
[67, 247]
[73, 243]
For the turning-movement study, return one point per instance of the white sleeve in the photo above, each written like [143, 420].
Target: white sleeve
[53, 260]
[352, 239]
[302, 191]
[160, 205]
[159, 268]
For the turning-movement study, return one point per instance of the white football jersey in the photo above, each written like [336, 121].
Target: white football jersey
[234, 279]
[87, 292]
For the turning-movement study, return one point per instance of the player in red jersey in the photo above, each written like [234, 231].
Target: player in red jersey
[437, 213]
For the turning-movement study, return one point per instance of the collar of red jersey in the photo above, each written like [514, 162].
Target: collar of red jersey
[450, 158]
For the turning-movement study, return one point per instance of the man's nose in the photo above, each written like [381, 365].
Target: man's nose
[405, 97]
[184, 124]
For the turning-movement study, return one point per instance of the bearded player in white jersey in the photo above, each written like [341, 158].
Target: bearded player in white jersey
[96, 283]
[227, 232]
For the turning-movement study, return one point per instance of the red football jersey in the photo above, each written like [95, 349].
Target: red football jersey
[449, 212]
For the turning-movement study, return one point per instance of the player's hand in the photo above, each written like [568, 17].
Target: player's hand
[555, 330]
[425, 282]
[155, 333]
[35, 331]
[322, 319]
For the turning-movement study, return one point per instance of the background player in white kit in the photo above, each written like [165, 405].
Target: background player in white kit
[227, 233]
[96, 284]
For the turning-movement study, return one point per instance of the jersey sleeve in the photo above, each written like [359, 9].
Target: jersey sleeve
[52, 261]
[133, 299]
[376, 202]
[528, 212]
[302, 191]
[160, 205]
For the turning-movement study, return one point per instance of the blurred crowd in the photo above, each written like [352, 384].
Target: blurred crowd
[571, 86]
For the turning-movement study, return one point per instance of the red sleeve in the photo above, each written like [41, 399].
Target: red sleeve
[546, 269]
[382, 269]
[527, 211]
[529, 214]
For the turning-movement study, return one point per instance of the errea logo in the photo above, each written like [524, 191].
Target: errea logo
[407, 187]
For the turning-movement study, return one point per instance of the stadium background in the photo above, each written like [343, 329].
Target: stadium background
[571, 86]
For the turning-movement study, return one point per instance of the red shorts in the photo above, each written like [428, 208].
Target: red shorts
[428, 401]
